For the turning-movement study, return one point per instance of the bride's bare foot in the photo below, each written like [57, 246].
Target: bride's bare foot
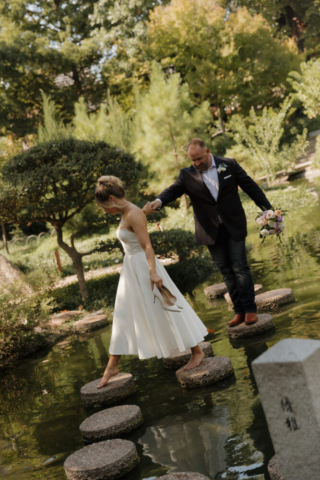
[195, 360]
[110, 372]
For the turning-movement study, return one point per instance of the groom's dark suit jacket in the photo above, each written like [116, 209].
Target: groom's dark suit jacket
[228, 205]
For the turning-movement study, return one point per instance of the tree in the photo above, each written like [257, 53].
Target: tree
[261, 136]
[233, 60]
[46, 45]
[54, 181]
[307, 87]
[167, 120]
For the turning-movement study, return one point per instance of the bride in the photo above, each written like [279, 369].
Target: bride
[151, 316]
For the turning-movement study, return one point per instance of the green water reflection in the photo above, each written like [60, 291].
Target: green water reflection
[220, 432]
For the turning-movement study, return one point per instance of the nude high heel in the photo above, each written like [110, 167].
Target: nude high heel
[170, 296]
[164, 304]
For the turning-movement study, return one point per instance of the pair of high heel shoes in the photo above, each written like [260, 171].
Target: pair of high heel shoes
[168, 301]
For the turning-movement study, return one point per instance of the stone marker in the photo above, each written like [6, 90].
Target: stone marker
[118, 388]
[288, 378]
[59, 319]
[274, 299]
[111, 423]
[210, 370]
[274, 469]
[215, 291]
[264, 323]
[11, 274]
[178, 359]
[90, 322]
[257, 289]
[184, 476]
[106, 460]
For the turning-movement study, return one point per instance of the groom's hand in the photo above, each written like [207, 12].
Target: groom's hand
[150, 208]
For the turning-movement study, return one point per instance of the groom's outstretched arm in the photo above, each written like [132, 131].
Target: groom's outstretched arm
[250, 187]
[176, 190]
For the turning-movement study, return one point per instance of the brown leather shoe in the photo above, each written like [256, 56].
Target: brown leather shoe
[251, 318]
[237, 319]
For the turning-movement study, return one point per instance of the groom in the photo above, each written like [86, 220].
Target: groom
[220, 222]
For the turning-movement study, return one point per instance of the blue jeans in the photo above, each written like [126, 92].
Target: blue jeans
[230, 257]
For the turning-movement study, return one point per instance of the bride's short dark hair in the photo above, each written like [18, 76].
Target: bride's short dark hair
[108, 185]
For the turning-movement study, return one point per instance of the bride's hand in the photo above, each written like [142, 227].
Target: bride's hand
[155, 280]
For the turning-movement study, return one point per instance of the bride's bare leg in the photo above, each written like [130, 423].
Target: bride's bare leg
[196, 358]
[111, 370]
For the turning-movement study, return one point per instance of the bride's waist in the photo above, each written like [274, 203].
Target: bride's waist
[133, 251]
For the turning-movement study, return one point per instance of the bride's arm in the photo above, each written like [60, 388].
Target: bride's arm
[138, 223]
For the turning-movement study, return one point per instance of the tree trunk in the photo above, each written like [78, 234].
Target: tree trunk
[76, 258]
[4, 237]
[56, 254]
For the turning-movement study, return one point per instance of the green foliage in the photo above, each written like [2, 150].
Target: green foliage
[316, 161]
[56, 180]
[232, 59]
[261, 137]
[307, 87]
[167, 120]
[49, 46]
[174, 243]
[53, 128]
[18, 318]
[190, 273]
[111, 124]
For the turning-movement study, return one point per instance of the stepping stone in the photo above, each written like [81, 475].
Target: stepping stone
[211, 370]
[111, 423]
[274, 299]
[254, 340]
[119, 387]
[274, 469]
[90, 322]
[184, 476]
[264, 323]
[106, 460]
[178, 359]
[215, 291]
[59, 319]
[257, 289]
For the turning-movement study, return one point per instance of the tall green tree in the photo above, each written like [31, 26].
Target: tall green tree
[167, 120]
[52, 182]
[233, 60]
[261, 136]
[46, 45]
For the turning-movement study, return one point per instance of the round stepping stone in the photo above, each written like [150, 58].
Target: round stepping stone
[90, 322]
[210, 370]
[274, 299]
[106, 460]
[274, 469]
[264, 323]
[215, 291]
[254, 340]
[257, 289]
[111, 423]
[177, 359]
[118, 388]
[184, 476]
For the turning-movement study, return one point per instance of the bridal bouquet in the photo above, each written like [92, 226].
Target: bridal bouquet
[271, 223]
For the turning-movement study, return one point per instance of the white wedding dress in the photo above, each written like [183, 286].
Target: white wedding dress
[140, 326]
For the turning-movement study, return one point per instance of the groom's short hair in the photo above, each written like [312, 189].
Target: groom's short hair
[197, 141]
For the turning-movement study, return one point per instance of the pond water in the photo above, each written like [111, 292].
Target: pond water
[219, 431]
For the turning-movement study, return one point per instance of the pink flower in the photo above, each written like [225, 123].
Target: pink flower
[277, 213]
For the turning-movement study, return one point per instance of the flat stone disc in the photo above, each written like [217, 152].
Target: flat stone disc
[177, 359]
[274, 469]
[217, 290]
[209, 371]
[184, 476]
[119, 387]
[274, 299]
[265, 322]
[90, 322]
[106, 460]
[257, 289]
[111, 423]
[240, 342]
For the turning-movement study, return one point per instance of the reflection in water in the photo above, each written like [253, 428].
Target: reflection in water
[220, 432]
